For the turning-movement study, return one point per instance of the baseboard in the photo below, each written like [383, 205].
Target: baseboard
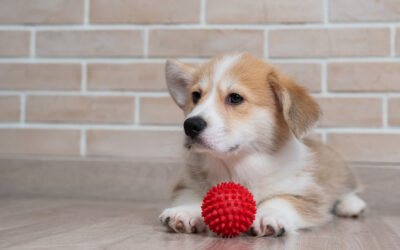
[143, 179]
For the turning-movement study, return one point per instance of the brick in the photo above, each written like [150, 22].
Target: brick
[264, 11]
[364, 10]
[78, 109]
[204, 42]
[348, 42]
[144, 11]
[307, 75]
[136, 76]
[342, 112]
[39, 142]
[89, 43]
[41, 11]
[394, 111]
[134, 144]
[25, 76]
[367, 147]
[10, 108]
[364, 77]
[14, 43]
[160, 111]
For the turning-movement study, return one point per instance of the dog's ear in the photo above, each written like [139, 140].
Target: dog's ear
[300, 110]
[179, 77]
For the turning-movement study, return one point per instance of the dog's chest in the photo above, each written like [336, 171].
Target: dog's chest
[262, 176]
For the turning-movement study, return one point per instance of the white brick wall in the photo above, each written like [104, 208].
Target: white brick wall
[118, 51]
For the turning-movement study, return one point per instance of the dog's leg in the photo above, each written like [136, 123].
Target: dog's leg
[285, 214]
[184, 215]
[350, 205]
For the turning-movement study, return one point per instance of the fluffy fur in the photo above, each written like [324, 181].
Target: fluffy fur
[297, 183]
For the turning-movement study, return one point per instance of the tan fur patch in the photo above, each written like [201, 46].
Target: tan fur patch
[264, 95]
[178, 188]
[252, 77]
[204, 73]
[300, 110]
[310, 205]
[331, 171]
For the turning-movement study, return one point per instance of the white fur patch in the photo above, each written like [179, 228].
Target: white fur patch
[186, 209]
[220, 68]
[178, 81]
[350, 205]
[213, 135]
[265, 174]
[277, 213]
[223, 65]
[188, 215]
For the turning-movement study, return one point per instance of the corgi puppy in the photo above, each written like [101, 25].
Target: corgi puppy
[246, 122]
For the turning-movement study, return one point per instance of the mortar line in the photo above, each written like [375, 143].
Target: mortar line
[385, 119]
[84, 77]
[22, 108]
[89, 26]
[195, 60]
[146, 43]
[86, 18]
[203, 6]
[392, 40]
[324, 137]
[324, 78]
[83, 142]
[164, 93]
[88, 126]
[137, 110]
[326, 11]
[266, 44]
[32, 44]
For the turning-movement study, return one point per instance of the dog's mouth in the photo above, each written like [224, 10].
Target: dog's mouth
[201, 145]
[234, 148]
[196, 143]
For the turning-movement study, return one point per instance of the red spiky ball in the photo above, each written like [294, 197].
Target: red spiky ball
[228, 209]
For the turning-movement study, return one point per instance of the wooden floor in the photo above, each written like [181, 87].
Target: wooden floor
[74, 224]
[83, 220]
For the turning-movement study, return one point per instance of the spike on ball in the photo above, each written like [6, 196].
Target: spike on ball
[228, 209]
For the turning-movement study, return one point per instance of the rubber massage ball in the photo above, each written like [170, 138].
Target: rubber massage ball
[228, 209]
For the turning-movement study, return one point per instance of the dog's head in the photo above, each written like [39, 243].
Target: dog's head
[238, 102]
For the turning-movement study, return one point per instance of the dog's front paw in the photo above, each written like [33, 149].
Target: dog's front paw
[183, 219]
[268, 225]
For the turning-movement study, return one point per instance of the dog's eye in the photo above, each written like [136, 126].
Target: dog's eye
[234, 99]
[196, 95]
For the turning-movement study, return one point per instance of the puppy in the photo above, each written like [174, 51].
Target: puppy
[246, 123]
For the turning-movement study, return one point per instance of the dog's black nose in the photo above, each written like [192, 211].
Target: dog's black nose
[193, 126]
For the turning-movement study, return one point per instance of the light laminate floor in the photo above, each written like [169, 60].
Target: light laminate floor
[77, 224]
